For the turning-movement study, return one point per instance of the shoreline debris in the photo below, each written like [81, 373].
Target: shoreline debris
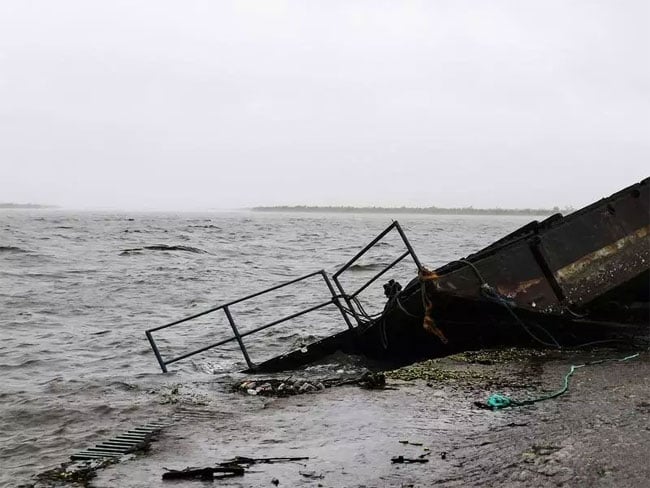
[83, 465]
[204, 474]
[498, 401]
[404, 460]
[288, 387]
[228, 469]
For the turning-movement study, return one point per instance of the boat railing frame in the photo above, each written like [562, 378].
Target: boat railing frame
[350, 301]
[237, 335]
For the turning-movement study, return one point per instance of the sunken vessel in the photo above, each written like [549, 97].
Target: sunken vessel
[566, 281]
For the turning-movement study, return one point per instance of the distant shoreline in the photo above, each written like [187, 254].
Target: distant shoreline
[24, 206]
[414, 210]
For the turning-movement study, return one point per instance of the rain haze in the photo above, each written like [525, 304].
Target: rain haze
[208, 105]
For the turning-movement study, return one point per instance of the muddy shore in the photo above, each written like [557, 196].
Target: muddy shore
[597, 434]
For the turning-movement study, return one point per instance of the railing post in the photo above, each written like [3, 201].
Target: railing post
[336, 300]
[380, 274]
[364, 250]
[238, 337]
[347, 300]
[408, 245]
[335, 276]
[156, 352]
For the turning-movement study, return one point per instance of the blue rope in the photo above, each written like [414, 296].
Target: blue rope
[496, 401]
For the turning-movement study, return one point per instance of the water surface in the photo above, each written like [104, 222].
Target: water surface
[77, 291]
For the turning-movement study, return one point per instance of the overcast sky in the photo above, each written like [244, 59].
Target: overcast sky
[215, 104]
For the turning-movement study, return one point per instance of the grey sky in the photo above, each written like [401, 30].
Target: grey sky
[214, 104]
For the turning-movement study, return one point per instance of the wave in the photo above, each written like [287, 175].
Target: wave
[367, 267]
[24, 364]
[209, 226]
[163, 247]
[12, 250]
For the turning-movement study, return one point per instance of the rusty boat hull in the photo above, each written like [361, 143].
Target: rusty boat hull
[565, 281]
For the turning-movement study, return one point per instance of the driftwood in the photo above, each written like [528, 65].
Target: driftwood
[403, 460]
[204, 474]
[269, 460]
[227, 469]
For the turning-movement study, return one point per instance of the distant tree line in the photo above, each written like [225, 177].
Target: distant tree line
[24, 205]
[416, 210]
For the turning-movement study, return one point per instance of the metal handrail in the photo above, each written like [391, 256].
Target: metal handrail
[335, 300]
[237, 335]
[349, 299]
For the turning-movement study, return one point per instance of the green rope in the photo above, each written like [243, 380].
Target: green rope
[497, 401]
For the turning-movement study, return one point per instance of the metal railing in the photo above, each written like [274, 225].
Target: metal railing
[334, 300]
[237, 336]
[350, 299]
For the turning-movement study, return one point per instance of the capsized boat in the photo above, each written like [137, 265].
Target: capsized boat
[566, 281]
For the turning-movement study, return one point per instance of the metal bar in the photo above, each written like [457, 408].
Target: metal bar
[156, 352]
[203, 349]
[106, 449]
[230, 339]
[83, 456]
[135, 440]
[378, 275]
[273, 288]
[121, 449]
[94, 455]
[336, 300]
[335, 276]
[365, 249]
[297, 314]
[408, 245]
[191, 317]
[88, 457]
[118, 442]
[347, 300]
[125, 445]
[248, 297]
[139, 430]
[238, 337]
[107, 453]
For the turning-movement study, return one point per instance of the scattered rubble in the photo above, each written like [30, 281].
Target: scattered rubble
[287, 387]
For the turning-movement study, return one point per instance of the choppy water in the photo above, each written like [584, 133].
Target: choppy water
[77, 291]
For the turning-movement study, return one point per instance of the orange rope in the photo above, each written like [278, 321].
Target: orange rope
[429, 325]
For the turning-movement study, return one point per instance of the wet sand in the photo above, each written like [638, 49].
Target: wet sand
[597, 434]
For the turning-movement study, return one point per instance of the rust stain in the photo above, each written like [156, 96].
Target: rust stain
[521, 287]
[426, 275]
[588, 261]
